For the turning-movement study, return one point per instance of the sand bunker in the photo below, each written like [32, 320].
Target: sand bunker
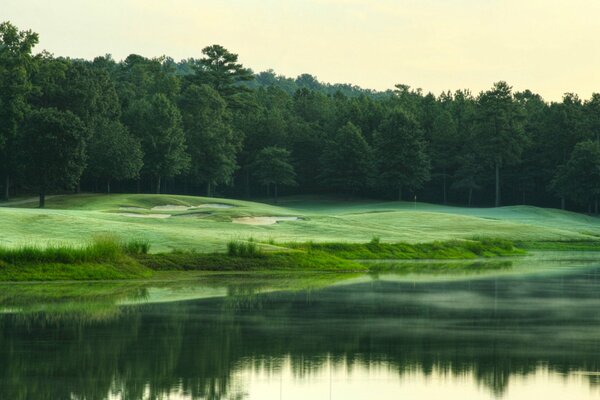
[170, 207]
[160, 216]
[132, 209]
[262, 220]
[173, 207]
[214, 205]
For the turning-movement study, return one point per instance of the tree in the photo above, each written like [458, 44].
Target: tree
[114, 154]
[55, 144]
[272, 167]
[347, 161]
[579, 178]
[401, 153]
[156, 122]
[499, 129]
[16, 64]
[220, 69]
[212, 144]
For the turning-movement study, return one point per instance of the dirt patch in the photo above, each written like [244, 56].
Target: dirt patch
[158, 216]
[262, 220]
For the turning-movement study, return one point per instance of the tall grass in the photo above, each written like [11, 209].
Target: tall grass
[103, 248]
[239, 248]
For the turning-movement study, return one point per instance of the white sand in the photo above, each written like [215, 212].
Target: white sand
[159, 216]
[262, 220]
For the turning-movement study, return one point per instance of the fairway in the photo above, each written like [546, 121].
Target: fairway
[206, 224]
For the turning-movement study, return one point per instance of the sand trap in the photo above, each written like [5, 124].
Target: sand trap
[160, 216]
[132, 209]
[170, 207]
[214, 205]
[173, 207]
[262, 220]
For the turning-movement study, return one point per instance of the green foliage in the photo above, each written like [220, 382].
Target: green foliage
[579, 178]
[452, 249]
[114, 154]
[272, 167]
[347, 161]
[401, 153]
[55, 143]
[211, 141]
[247, 248]
[156, 121]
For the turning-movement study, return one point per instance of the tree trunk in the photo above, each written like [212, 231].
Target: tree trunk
[275, 191]
[497, 185]
[158, 179]
[42, 198]
[445, 198]
[208, 189]
[268, 190]
[562, 203]
[108, 186]
[400, 193]
[470, 196]
[78, 188]
[7, 187]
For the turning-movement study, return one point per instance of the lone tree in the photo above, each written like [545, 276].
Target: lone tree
[401, 153]
[55, 143]
[579, 179]
[347, 161]
[272, 167]
[15, 67]
[499, 128]
[114, 154]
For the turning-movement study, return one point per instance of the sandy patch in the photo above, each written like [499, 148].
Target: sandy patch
[159, 216]
[262, 220]
[214, 205]
[132, 209]
[173, 207]
[170, 207]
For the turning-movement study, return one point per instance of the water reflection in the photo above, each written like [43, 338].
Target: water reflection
[499, 336]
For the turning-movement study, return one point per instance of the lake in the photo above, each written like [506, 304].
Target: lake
[522, 329]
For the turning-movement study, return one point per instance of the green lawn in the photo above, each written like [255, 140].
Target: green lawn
[75, 218]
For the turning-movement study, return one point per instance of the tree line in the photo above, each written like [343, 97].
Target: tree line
[209, 126]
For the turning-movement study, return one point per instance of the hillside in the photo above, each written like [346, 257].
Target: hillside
[206, 224]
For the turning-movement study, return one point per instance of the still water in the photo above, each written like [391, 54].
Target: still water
[525, 330]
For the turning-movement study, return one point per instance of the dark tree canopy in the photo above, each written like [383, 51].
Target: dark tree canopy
[209, 125]
[55, 144]
[272, 166]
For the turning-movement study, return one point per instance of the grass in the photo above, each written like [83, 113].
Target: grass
[105, 257]
[72, 218]
[451, 249]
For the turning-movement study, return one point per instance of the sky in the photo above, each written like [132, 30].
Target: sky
[548, 46]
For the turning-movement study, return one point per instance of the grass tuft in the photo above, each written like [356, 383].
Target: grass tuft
[246, 249]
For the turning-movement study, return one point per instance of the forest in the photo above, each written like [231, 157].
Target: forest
[211, 126]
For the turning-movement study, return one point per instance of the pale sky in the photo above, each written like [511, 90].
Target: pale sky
[548, 46]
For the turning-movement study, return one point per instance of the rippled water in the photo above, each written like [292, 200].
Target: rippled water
[526, 331]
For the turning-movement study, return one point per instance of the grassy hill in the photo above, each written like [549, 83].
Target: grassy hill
[207, 224]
